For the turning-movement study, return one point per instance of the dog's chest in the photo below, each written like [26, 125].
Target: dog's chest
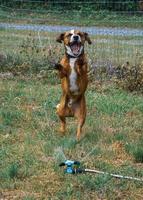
[73, 75]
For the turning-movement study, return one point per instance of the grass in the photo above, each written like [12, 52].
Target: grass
[136, 150]
[34, 52]
[31, 148]
[79, 18]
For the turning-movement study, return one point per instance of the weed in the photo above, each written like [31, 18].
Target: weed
[136, 150]
[138, 154]
[120, 137]
[13, 170]
[99, 183]
[28, 198]
[9, 118]
[131, 77]
[31, 57]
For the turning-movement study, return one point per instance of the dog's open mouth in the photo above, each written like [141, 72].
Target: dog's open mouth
[75, 47]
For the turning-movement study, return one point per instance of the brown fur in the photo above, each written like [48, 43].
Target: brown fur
[71, 103]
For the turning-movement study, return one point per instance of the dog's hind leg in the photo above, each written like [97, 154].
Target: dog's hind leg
[61, 113]
[80, 114]
[62, 120]
[63, 125]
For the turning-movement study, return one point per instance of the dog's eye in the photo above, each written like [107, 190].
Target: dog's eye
[80, 34]
[69, 35]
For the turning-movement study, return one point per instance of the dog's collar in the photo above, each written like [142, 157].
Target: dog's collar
[70, 56]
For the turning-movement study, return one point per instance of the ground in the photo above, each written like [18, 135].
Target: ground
[31, 147]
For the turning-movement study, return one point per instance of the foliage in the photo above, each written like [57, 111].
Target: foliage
[136, 150]
[37, 54]
[130, 77]
[118, 5]
[30, 57]
[13, 170]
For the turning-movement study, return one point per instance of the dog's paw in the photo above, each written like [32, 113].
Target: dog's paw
[78, 138]
[58, 66]
[58, 105]
[62, 131]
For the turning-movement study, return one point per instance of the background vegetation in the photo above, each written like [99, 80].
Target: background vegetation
[82, 13]
[31, 148]
[118, 5]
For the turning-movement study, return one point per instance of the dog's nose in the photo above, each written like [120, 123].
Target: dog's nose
[75, 37]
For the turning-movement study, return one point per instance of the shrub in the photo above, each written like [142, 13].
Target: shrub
[130, 77]
[29, 57]
[124, 5]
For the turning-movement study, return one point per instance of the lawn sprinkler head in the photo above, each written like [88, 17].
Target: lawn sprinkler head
[71, 167]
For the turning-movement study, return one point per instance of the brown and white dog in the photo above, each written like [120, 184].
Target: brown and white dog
[73, 73]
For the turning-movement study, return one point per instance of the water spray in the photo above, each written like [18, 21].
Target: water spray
[73, 167]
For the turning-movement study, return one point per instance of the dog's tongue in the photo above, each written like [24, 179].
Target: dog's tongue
[75, 48]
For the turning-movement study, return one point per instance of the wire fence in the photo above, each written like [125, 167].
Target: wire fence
[115, 28]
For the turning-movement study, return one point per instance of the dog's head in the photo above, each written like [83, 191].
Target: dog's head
[74, 41]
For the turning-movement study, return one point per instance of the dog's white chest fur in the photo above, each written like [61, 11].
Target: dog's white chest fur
[73, 76]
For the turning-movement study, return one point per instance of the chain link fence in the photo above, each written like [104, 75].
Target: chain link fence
[28, 30]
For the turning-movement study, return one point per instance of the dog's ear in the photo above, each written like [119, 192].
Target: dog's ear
[87, 38]
[60, 38]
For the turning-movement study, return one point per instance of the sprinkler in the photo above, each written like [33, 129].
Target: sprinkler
[73, 167]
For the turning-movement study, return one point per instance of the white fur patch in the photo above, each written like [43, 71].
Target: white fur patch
[73, 34]
[72, 31]
[73, 76]
[70, 103]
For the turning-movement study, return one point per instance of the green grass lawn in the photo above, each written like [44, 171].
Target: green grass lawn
[31, 147]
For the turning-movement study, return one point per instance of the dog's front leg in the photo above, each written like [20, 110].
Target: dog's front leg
[61, 70]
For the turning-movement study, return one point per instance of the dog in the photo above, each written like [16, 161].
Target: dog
[73, 73]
